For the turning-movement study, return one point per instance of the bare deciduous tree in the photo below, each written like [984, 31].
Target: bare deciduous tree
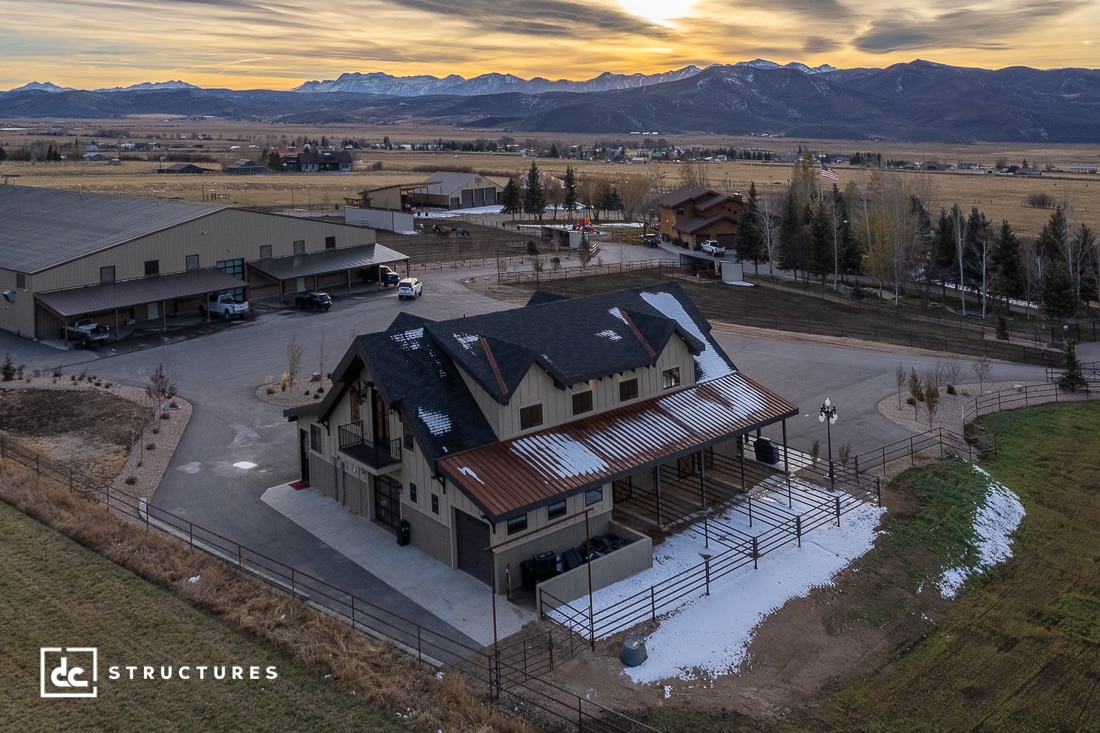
[899, 375]
[294, 352]
[931, 397]
[981, 367]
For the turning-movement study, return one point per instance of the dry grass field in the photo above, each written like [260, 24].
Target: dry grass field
[999, 197]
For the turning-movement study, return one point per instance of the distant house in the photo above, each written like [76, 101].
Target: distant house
[184, 168]
[245, 167]
[693, 214]
[310, 161]
[1083, 168]
[94, 156]
[448, 190]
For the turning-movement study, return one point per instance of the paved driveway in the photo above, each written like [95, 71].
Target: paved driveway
[220, 372]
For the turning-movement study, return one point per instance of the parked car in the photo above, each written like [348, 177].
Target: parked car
[224, 305]
[381, 274]
[313, 300]
[711, 247]
[410, 288]
[649, 240]
[86, 333]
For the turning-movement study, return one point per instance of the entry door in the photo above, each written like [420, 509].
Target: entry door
[387, 501]
[472, 536]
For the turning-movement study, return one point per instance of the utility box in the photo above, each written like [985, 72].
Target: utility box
[404, 529]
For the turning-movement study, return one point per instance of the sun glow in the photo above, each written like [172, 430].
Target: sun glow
[657, 11]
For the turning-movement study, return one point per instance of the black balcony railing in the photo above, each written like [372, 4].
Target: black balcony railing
[358, 446]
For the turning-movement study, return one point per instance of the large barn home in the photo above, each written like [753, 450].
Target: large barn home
[496, 438]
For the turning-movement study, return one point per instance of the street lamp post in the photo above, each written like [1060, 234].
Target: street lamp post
[827, 415]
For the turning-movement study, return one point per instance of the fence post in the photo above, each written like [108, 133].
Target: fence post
[550, 647]
[798, 529]
[749, 502]
[653, 603]
[755, 554]
[837, 500]
[878, 490]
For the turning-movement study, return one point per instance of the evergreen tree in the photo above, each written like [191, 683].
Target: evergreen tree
[570, 183]
[1073, 379]
[534, 199]
[1006, 265]
[1057, 291]
[820, 259]
[511, 198]
[749, 240]
[792, 238]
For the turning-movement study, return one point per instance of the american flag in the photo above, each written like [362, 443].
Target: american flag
[829, 172]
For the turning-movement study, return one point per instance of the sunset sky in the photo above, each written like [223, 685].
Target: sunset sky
[275, 44]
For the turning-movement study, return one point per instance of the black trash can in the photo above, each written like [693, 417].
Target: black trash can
[766, 451]
[403, 530]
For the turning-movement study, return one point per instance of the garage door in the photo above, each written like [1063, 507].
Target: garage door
[473, 546]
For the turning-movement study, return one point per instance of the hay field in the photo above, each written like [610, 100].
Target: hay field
[212, 143]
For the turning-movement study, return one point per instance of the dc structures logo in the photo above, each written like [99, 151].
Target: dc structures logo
[68, 671]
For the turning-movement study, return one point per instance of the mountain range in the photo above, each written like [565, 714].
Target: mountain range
[914, 101]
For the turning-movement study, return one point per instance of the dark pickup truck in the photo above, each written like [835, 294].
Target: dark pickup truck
[381, 274]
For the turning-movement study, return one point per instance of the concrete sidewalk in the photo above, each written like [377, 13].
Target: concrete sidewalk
[452, 595]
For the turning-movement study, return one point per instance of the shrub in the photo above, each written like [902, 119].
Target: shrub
[131, 480]
[150, 446]
[7, 370]
[910, 401]
[164, 416]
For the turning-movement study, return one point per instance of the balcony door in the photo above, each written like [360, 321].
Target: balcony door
[380, 423]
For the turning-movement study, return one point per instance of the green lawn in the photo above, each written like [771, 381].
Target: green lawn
[1020, 650]
[54, 592]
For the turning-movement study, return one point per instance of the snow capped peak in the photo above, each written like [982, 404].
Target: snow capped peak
[41, 87]
[796, 66]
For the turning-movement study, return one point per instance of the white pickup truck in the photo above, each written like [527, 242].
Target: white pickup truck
[711, 247]
[224, 305]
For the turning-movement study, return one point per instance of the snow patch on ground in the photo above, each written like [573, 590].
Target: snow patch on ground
[997, 518]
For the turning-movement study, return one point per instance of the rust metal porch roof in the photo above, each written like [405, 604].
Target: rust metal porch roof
[513, 476]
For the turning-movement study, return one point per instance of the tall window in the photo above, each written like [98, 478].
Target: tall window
[412, 492]
[435, 503]
[530, 416]
[299, 246]
[20, 281]
[315, 438]
[670, 378]
[628, 389]
[582, 402]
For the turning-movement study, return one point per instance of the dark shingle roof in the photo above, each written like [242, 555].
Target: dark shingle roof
[574, 340]
[45, 227]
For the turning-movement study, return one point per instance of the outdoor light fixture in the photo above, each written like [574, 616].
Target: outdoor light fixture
[827, 415]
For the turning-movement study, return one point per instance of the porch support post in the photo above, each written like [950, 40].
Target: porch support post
[657, 484]
[786, 464]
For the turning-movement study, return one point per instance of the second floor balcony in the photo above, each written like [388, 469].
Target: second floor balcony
[380, 456]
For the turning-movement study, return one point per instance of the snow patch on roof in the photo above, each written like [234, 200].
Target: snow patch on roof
[467, 471]
[438, 423]
[618, 314]
[466, 340]
[995, 521]
[559, 454]
[710, 364]
[610, 335]
[410, 339]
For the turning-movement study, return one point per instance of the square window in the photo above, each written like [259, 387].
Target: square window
[435, 503]
[191, 263]
[670, 378]
[530, 416]
[152, 267]
[628, 389]
[330, 242]
[315, 438]
[593, 496]
[299, 246]
[582, 402]
[265, 251]
[555, 510]
[107, 274]
[412, 492]
[517, 524]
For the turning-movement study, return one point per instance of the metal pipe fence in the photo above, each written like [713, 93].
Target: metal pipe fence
[520, 677]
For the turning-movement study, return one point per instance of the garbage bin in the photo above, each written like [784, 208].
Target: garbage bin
[634, 651]
[403, 530]
[766, 451]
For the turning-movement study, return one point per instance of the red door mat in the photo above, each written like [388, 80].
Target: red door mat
[297, 485]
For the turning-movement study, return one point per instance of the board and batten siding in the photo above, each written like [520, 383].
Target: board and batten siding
[557, 405]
